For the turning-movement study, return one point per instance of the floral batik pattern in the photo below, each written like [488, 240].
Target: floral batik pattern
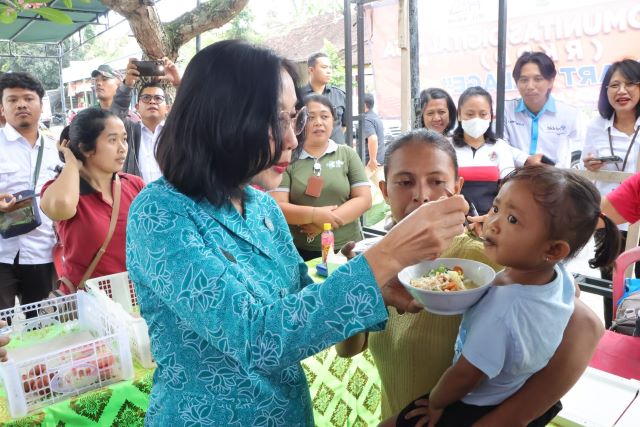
[232, 311]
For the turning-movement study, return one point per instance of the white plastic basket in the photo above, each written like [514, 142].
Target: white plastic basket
[89, 350]
[120, 289]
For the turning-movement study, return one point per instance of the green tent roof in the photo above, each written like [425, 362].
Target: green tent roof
[31, 28]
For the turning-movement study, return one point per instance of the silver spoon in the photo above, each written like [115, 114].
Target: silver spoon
[473, 212]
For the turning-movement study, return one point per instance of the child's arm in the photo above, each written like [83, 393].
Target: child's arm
[547, 386]
[456, 382]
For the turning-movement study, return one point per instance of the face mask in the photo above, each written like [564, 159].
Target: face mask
[475, 127]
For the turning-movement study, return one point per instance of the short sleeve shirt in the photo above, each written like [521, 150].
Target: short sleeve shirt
[338, 99]
[482, 169]
[84, 233]
[512, 333]
[373, 126]
[626, 199]
[341, 171]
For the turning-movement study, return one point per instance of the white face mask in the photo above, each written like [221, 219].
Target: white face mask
[475, 127]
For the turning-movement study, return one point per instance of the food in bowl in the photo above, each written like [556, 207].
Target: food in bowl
[448, 303]
[444, 279]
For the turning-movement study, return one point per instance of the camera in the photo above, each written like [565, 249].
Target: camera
[150, 68]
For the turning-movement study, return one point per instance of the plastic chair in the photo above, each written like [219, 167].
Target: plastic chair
[617, 353]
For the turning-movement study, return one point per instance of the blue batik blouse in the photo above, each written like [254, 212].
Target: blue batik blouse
[232, 311]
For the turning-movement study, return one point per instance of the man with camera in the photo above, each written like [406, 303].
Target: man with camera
[152, 107]
[28, 159]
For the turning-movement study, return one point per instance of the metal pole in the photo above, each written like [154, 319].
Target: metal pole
[348, 72]
[62, 98]
[502, 62]
[414, 60]
[360, 44]
[198, 36]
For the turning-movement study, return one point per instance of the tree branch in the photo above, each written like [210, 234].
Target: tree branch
[207, 16]
[157, 39]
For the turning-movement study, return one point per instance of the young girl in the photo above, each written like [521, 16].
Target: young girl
[483, 159]
[420, 166]
[540, 217]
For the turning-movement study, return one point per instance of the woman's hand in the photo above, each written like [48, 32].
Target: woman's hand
[476, 223]
[591, 164]
[324, 214]
[423, 234]
[395, 295]
[69, 157]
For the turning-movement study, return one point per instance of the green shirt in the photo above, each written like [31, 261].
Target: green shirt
[341, 169]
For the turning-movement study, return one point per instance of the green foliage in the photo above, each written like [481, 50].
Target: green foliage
[240, 27]
[54, 15]
[10, 9]
[337, 64]
[45, 70]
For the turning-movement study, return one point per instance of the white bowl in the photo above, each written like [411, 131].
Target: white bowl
[448, 303]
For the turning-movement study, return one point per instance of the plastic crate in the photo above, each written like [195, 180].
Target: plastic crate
[89, 349]
[118, 288]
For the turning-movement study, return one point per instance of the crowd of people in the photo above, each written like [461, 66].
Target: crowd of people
[212, 202]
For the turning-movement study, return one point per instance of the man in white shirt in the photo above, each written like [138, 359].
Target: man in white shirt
[152, 108]
[141, 158]
[28, 159]
[537, 123]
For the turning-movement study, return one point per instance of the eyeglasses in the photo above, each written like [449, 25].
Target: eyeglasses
[159, 99]
[615, 86]
[299, 121]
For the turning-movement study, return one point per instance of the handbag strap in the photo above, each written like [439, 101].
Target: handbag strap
[36, 172]
[112, 227]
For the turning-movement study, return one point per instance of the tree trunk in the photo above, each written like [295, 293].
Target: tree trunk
[157, 39]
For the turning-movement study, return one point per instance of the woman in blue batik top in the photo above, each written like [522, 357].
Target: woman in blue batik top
[230, 307]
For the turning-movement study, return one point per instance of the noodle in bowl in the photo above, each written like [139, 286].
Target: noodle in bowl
[447, 285]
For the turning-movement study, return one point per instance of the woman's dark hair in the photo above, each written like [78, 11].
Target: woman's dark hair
[321, 99]
[437, 93]
[421, 136]
[85, 129]
[630, 69]
[571, 204]
[216, 137]
[541, 59]
[458, 134]
[64, 135]
[20, 81]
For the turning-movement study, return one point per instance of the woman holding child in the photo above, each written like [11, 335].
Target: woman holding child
[414, 350]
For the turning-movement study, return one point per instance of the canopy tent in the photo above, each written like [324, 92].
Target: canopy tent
[30, 27]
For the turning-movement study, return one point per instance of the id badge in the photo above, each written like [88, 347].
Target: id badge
[314, 186]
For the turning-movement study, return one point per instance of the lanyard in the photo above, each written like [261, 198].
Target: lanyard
[36, 172]
[626, 157]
